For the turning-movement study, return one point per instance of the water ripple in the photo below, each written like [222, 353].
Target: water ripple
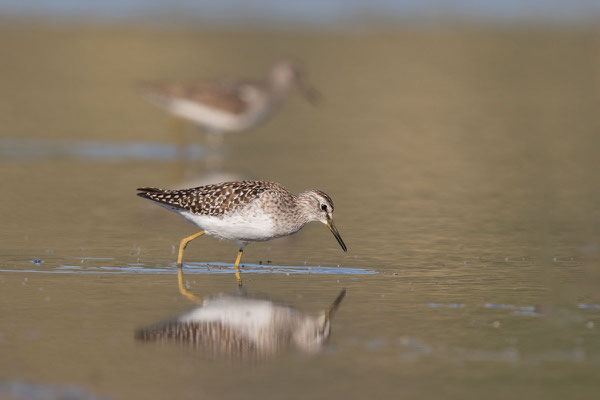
[199, 268]
[30, 149]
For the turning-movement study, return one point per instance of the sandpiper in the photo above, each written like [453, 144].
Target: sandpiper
[245, 211]
[231, 106]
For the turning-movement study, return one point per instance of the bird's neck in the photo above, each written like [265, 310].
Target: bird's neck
[279, 90]
[304, 202]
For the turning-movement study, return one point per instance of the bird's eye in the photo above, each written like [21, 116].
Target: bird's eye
[324, 207]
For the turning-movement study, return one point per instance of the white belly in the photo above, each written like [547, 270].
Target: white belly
[246, 227]
[208, 117]
[222, 121]
[238, 313]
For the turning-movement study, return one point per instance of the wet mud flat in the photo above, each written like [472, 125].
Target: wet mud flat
[463, 163]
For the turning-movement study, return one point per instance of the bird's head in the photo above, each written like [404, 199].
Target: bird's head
[318, 206]
[287, 74]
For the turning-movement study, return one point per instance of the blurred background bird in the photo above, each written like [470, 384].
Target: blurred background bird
[219, 107]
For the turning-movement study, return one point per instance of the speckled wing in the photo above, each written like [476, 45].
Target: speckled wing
[226, 96]
[212, 200]
[212, 337]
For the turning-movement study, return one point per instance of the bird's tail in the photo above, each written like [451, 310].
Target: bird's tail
[150, 192]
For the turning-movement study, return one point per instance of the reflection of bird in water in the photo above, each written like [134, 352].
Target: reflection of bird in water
[229, 106]
[245, 211]
[244, 326]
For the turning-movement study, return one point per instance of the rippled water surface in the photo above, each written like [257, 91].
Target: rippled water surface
[464, 169]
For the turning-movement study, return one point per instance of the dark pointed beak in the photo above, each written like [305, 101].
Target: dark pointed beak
[335, 232]
[312, 95]
[333, 307]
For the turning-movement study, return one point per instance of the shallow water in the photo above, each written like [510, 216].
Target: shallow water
[462, 163]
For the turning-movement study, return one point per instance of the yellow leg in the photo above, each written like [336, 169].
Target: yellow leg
[238, 273]
[183, 290]
[182, 245]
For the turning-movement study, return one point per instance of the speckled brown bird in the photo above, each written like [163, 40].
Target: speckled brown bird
[245, 211]
[231, 106]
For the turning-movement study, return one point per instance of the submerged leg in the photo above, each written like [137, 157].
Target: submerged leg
[214, 139]
[238, 273]
[214, 156]
[182, 245]
[182, 288]
[180, 140]
[176, 127]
